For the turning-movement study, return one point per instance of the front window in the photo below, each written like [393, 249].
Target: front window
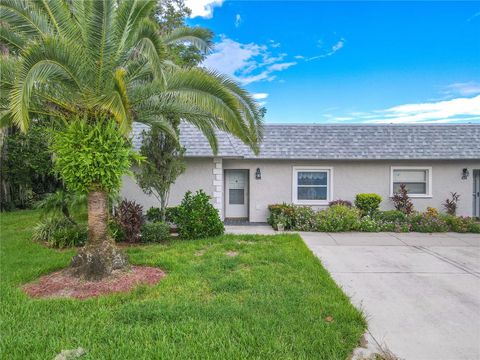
[417, 181]
[311, 186]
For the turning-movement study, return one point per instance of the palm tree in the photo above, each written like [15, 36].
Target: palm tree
[93, 59]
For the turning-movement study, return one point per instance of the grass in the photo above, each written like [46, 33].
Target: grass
[268, 302]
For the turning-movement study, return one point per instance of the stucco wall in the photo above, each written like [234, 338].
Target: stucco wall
[198, 175]
[349, 179]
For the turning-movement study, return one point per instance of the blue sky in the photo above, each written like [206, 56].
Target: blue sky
[344, 62]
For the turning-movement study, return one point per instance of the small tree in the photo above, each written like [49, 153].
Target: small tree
[402, 201]
[164, 163]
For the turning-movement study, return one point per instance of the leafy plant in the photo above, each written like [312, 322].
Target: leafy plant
[288, 213]
[450, 205]
[197, 218]
[427, 223]
[340, 202]
[153, 214]
[171, 214]
[62, 202]
[116, 231]
[338, 218]
[431, 211]
[367, 224]
[401, 200]
[368, 203]
[59, 232]
[304, 218]
[164, 163]
[391, 216]
[155, 232]
[128, 214]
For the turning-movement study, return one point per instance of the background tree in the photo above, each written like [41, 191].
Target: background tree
[163, 164]
[96, 66]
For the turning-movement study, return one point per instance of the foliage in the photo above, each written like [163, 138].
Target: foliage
[461, 224]
[286, 211]
[431, 211]
[304, 218]
[367, 224]
[129, 215]
[401, 200]
[197, 218]
[171, 214]
[92, 156]
[368, 203]
[338, 218]
[427, 223]
[153, 214]
[450, 205]
[164, 163]
[116, 231]
[59, 232]
[62, 202]
[391, 216]
[26, 168]
[155, 232]
[340, 202]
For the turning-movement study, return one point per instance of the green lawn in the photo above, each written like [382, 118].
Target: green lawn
[269, 302]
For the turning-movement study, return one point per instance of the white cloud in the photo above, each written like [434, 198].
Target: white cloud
[335, 47]
[202, 8]
[274, 44]
[463, 88]
[299, 57]
[246, 63]
[260, 96]
[459, 109]
[238, 20]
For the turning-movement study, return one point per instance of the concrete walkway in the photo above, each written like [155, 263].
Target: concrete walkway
[420, 292]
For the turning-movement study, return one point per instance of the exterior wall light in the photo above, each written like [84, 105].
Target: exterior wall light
[465, 174]
[258, 174]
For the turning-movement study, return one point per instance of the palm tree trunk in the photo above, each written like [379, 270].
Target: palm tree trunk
[99, 257]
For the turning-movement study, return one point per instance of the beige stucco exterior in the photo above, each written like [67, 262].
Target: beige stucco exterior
[348, 179]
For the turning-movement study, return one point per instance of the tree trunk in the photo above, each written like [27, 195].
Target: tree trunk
[99, 257]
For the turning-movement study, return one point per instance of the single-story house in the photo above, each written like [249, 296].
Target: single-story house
[309, 164]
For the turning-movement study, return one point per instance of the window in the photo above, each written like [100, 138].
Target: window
[417, 180]
[311, 186]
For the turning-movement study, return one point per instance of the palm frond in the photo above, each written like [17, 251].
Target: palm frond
[199, 37]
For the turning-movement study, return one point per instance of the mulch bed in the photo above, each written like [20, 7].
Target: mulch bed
[63, 284]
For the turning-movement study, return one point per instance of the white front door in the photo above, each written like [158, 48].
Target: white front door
[236, 193]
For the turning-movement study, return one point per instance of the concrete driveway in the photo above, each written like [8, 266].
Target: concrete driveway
[420, 292]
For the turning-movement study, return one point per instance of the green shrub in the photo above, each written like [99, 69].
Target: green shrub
[171, 214]
[287, 213]
[155, 232]
[115, 231]
[304, 218]
[60, 232]
[474, 226]
[197, 218]
[367, 224]
[338, 218]
[461, 224]
[368, 203]
[391, 216]
[427, 223]
[154, 214]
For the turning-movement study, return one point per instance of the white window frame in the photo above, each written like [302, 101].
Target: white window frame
[423, 168]
[296, 170]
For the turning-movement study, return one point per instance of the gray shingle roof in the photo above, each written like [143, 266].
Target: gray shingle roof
[341, 142]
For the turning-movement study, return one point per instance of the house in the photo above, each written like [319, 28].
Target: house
[314, 164]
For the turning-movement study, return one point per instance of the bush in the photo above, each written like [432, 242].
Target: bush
[427, 223]
[391, 216]
[155, 232]
[60, 233]
[340, 202]
[154, 214]
[171, 214]
[450, 205]
[402, 201]
[197, 218]
[461, 224]
[115, 231]
[304, 218]
[129, 215]
[338, 218]
[285, 211]
[367, 224]
[368, 203]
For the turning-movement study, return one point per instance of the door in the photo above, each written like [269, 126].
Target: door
[236, 194]
[476, 192]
